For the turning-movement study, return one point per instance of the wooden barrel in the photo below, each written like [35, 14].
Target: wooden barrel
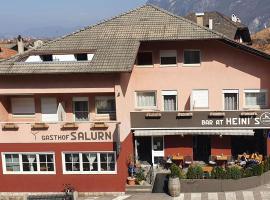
[174, 187]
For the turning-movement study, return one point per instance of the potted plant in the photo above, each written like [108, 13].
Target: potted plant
[174, 181]
[131, 171]
[140, 177]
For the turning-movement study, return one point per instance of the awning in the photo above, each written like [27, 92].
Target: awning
[244, 132]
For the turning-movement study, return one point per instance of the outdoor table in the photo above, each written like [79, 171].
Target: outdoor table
[221, 160]
[207, 169]
[178, 159]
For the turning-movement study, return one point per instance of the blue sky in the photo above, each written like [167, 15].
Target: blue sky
[20, 16]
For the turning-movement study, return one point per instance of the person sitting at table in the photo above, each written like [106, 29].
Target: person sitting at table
[255, 158]
[243, 159]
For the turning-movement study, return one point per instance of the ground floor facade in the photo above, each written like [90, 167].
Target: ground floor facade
[151, 149]
[91, 158]
[88, 167]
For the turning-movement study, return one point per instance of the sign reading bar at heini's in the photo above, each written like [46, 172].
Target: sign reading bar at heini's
[203, 119]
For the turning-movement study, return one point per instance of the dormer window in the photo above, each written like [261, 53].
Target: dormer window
[60, 58]
[46, 58]
[81, 57]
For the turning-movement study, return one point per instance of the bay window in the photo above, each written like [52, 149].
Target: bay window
[105, 105]
[192, 57]
[169, 100]
[23, 106]
[28, 163]
[146, 99]
[255, 98]
[80, 108]
[168, 58]
[89, 162]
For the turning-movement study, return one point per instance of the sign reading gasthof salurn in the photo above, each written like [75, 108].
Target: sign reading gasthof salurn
[55, 134]
[77, 136]
[203, 119]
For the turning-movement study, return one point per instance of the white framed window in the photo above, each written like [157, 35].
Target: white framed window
[23, 106]
[28, 163]
[89, 162]
[105, 105]
[230, 99]
[199, 99]
[168, 58]
[169, 100]
[81, 108]
[192, 57]
[146, 99]
[255, 98]
[145, 59]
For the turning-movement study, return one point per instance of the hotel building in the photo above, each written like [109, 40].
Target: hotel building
[146, 83]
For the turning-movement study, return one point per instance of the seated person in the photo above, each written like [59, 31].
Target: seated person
[243, 159]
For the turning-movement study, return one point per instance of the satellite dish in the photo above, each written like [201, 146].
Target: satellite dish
[235, 18]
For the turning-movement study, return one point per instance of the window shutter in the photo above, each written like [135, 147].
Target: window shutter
[23, 106]
[199, 99]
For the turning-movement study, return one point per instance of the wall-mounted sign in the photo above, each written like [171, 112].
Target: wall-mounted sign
[76, 136]
[201, 119]
[56, 134]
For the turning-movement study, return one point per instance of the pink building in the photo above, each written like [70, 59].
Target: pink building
[146, 83]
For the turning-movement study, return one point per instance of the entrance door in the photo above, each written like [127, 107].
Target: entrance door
[201, 148]
[144, 149]
[49, 109]
[157, 149]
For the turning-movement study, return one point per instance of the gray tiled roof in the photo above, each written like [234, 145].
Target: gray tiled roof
[115, 42]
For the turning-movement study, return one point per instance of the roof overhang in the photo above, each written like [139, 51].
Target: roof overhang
[145, 132]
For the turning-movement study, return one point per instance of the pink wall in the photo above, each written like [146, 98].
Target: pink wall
[222, 67]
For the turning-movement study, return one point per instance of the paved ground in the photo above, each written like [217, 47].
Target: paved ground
[259, 193]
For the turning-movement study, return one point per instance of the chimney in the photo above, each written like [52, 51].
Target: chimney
[199, 17]
[211, 24]
[20, 44]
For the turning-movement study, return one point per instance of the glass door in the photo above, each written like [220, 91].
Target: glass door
[157, 149]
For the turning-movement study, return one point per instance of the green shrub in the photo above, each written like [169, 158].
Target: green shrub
[195, 172]
[140, 175]
[266, 164]
[175, 171]
[218, 173]
[247, 172]
[233, 173]
[257, 170]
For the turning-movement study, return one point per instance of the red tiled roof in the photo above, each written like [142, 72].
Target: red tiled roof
[6, 53]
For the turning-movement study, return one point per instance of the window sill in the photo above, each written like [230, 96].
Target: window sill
[90, 173]
[254, 107]
[144, 66]
[191, 65]
[23, 116]
[174, 65]
[28, 173]
[146, 109]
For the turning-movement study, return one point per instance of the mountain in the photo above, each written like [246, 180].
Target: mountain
[254, 13]
[261, 40]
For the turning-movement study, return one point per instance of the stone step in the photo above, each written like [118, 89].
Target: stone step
[138, 189]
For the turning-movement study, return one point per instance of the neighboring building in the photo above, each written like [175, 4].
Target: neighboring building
[261, 40]
[6, 53]
[146, 83]
[18, 46]
[230, 27]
